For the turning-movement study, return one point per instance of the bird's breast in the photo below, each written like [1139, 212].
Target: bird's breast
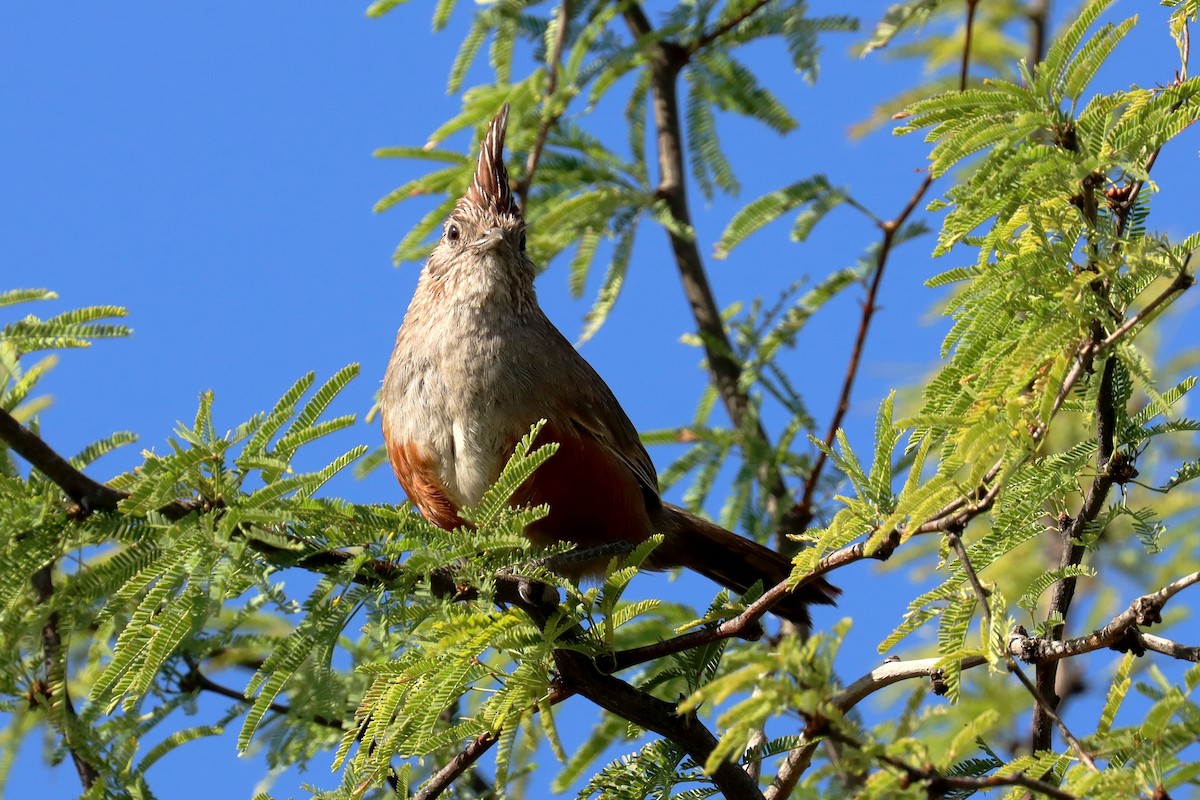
[453, 395]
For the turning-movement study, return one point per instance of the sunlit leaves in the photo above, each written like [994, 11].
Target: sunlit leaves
[208, 564]
[815, 191]
[69, 329]
[897, 18]
[616, 191]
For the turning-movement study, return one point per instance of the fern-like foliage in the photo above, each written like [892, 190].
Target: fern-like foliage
[932, 32]
[31, 334]
[585, 193]
[383, 645]
[1007, 416]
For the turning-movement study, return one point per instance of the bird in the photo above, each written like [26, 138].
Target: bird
[477, 362]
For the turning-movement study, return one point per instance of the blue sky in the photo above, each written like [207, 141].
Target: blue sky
[209, 167]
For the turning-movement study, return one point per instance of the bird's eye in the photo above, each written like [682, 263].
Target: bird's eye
[522, 242]
[452, 233]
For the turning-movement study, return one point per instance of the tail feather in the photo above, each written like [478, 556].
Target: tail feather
[735, 562]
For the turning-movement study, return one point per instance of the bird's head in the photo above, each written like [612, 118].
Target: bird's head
[485, 234]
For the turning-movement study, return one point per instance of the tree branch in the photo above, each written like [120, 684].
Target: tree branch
[580, 674]
[1044, 704]
[548, 118]
[1073, 551]
[1039, 22]
[981, 594]
[1170, 648]
[1073, 548]
[93, 497]
[667, 59]
[965, 65]
[716, 33]
[196, 681]
[1145, 610]
[87, 493]
[955, 515]
[441, 780]
[799, 759]
[801, 514]
[445, 776]
[746, 621]
[1182, 282]
[937, 784]
[895, 671]
[54, 662]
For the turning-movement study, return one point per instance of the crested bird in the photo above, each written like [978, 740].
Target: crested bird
[477, 362]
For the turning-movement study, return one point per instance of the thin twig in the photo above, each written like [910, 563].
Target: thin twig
[1044, 704]
[937, 784]
[802, 513]
[1182, 282]
[1086, 352]
[198, 681]
[729, 629]
[956, 515]
[748, 619]
[716, 33]
[981, 594]
[1169, 648]
[548, 118]
[54, 662]
[953, 516]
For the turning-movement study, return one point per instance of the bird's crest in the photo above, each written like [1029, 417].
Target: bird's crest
[489, 189]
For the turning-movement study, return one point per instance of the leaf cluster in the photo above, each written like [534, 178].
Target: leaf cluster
[363, 631]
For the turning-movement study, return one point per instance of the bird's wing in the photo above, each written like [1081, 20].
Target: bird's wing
[607, 424]
[582, 398]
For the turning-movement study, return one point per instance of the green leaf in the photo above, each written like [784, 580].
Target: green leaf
[99, 448]
[380, 7]
[770, 207]
[1044, 581]
[14, 297]
[899, 17]
[521, 464]
[1116, 695]
[614, 280]
[709, 165]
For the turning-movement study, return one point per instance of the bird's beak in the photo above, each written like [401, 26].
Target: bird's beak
[490, 240]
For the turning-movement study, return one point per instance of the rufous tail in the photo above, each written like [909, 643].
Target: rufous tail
[735, 562]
